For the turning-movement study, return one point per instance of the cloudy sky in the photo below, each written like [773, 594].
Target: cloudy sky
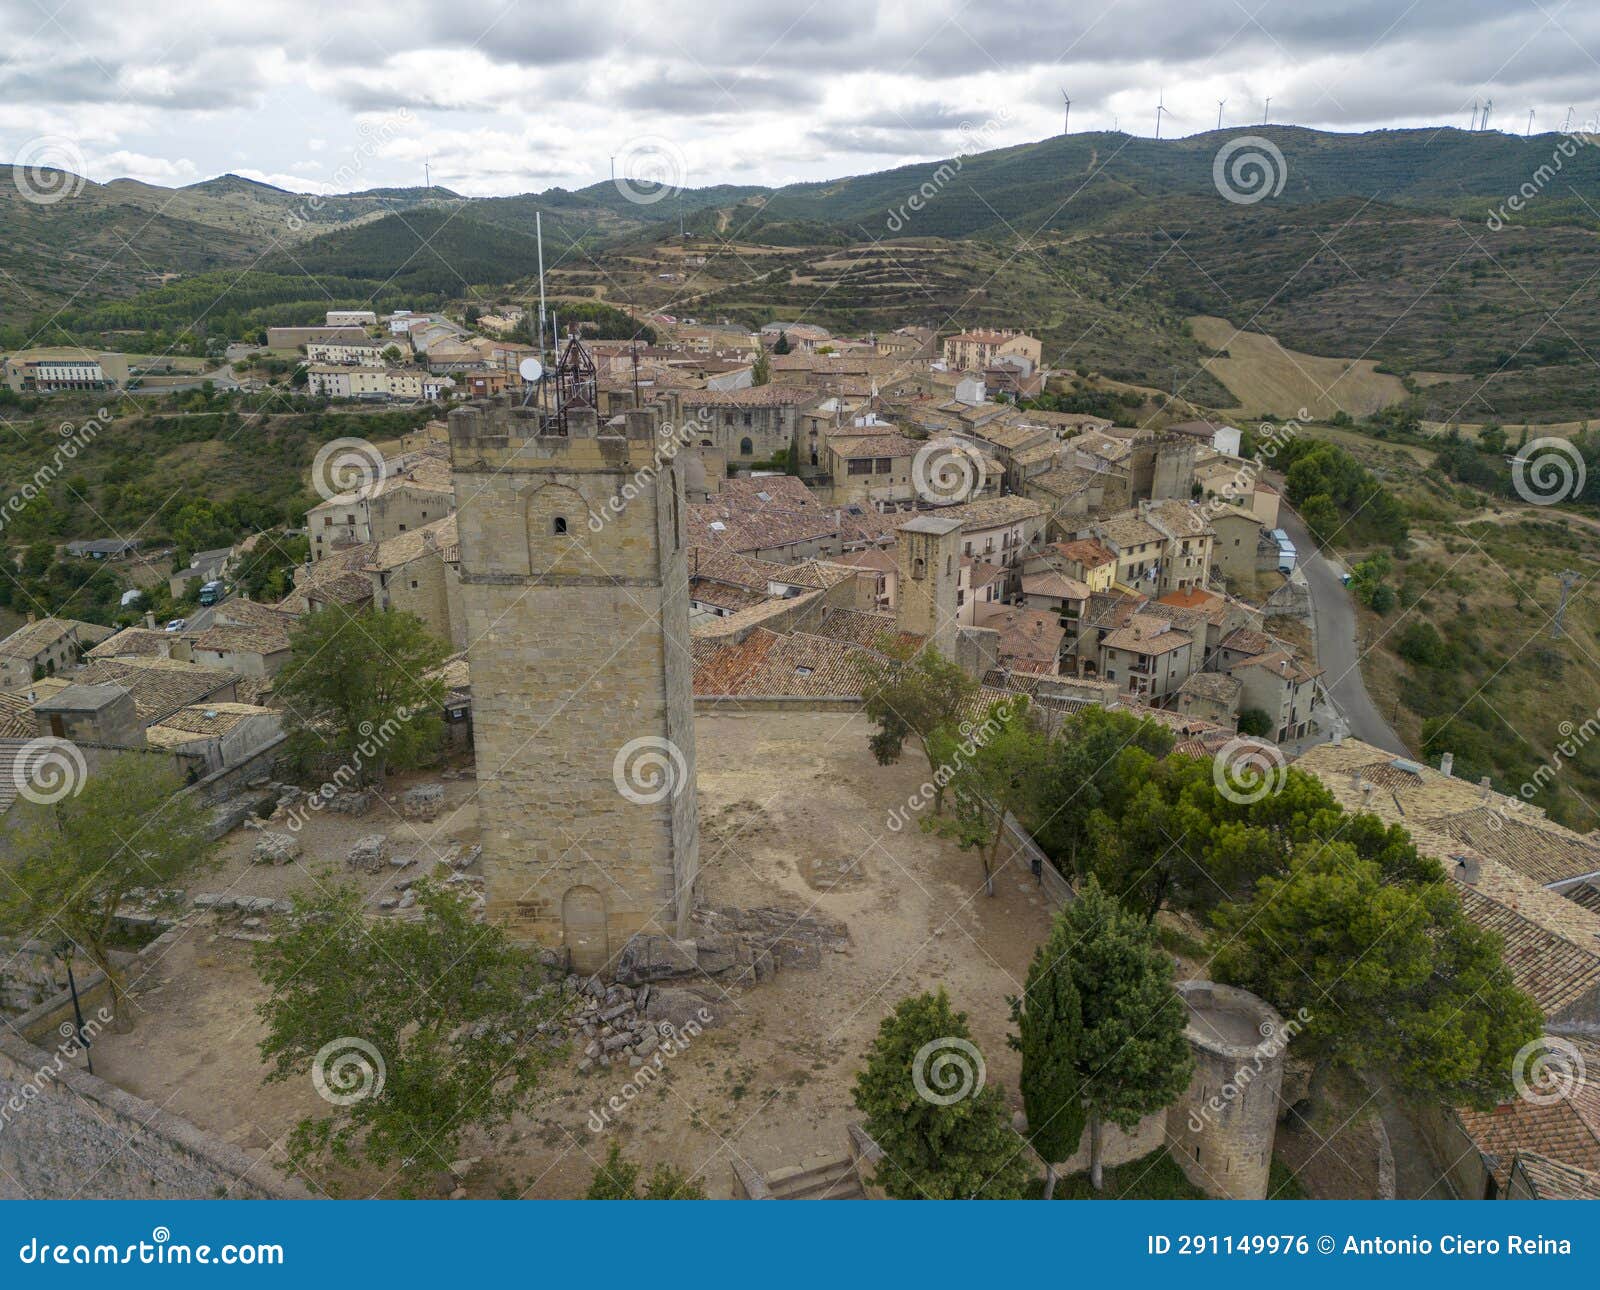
[511, 97]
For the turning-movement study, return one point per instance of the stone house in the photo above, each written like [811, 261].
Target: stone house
[1212, 696]
[419, 572]
[748, 426]
[1030, 640]
[873, 468]
[44, 647]
[972, 351]
[1238, 534]
[414, 490]
[1273, 680]
[1149, 658]
[1001, 530]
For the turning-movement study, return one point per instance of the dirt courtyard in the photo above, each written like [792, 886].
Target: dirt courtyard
[794, 813]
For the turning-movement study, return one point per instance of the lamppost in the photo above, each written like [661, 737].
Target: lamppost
[64, 951]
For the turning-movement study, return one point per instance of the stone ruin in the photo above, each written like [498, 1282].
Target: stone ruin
[750, 944]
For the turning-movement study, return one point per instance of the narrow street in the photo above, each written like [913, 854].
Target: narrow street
[1337, 651]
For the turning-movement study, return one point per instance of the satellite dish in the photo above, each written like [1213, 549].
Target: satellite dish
[532, 369]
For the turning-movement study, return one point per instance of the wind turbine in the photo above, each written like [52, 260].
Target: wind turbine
[1066, 116]
[1220, 105]
[1487, 108]
[1566, 126]
[1474, 124]
[1528, 133]
[1160, 108]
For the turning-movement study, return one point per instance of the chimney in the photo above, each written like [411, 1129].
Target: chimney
[150, 619]
[1468, 869]
[1447, 763]
[1487, 786]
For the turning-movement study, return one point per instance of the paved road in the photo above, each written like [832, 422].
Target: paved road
[1337, 652]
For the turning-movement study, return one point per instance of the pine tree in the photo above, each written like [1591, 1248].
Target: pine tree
[1049, 1019]
[945, 1135]
[1132, 1055]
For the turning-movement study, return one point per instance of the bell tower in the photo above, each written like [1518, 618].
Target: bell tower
[576, 598]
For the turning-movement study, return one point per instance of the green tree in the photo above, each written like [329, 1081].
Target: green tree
[913, 692]
[996, 770]
[782, 346]
[1390, 974]
[1049, 1021]
[1255, 721]
[761, 370]
[1132, 1057]
[72, 861]
[416, 1033]
[358, 691]
[945, 1134]
[618, 1179]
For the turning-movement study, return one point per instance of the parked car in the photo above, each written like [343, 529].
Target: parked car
[177, 624]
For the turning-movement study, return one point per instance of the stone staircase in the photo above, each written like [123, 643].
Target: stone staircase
[820, 1178]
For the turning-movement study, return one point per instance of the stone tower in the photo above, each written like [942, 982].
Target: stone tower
[576, 597]
[1221, 1131]
[928, 555]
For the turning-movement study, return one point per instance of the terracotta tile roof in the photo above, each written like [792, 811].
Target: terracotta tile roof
[760, 396]
[338, 578]
[32, 639]
[1180, 519]
[795, 665]
[1541, 850]
[1054, 584]
[1126, 530]
[1148, 634]
[441, 536]
[1282, 664]
[1554, 1180]
[859, 627]
[851, 446]
[135, 642]
[1566, 1131]
[1027, 636]
[16, 716]
[1245, 641]
[230, 639]
[1215, 686]
[159, 686]
[1085, 551]
[988, 512]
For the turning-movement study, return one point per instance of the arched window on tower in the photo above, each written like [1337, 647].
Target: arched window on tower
[919, 568]
[747, 446]
[558, 526]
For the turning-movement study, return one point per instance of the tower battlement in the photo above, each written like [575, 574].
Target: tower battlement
[575, 588]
